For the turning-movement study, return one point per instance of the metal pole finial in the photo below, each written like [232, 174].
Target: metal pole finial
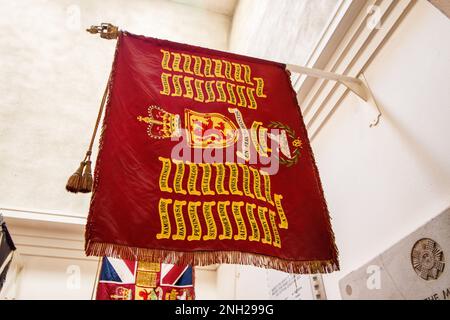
[106, 31]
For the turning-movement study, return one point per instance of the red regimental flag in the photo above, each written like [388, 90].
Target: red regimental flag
[204, 158]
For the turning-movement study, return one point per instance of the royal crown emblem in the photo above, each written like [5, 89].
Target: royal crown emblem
[161, 124]
[203, 130]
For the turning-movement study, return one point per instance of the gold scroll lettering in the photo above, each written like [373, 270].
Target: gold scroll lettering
[267, 187]
[218, 68]
[231, 95]
[192, 180]
[257, 184]
[283, 220]
[233, 179]
[195, 222]
[220, 179]
[210, 91]
[227, 69]
[177, 85]
[165, 60]
[242, 101]
[179, 220]
[165, 174]
[262, 136]
[200, 97]
[198, 66]
[276, 234]
[227, 231]
[211, 233]
[187, 63]
[206, 179]
[176, 62]
[251, 98]
[242, 230]
[188, 91]
[260, 87]
[221, 90]
[246, 180]
[237, 72]
[250, 208]
[208, 67]
[179, 174]
[247, 74]
[163, 208]
[165, 83]
[254, 137]
[267, 239]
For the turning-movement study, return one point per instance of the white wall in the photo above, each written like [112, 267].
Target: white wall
[382, 183]
[281, 30]
[53, 74]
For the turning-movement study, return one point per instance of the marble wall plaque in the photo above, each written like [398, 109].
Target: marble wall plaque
[417, 267]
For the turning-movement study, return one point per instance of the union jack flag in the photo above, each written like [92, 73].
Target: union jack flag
[137, 280]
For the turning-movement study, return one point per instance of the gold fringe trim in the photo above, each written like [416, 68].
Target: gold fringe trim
[205, 258]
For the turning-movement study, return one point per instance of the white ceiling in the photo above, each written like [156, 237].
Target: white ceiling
[225, 7]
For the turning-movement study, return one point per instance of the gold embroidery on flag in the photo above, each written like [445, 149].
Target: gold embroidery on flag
[206, 179]
[149, 266]
[187, 63]
[242, 230]
[250, 208]
[251, 98]
[276, 235]
[218, 68]
[192, 180]
[267, 187]
[200, 97]
[210, 91]
[188, 91]
[210, 223]
[254, 136]
[195, 223]
[179, 174]
[165, 60]
[231, 95]
[246, 180]
[262, 137]
[221, 90]
[227, 231]
[228, 74]
[176, 62]
[163, 208]
[165, 83]
[283, 220]
[247, 74]
[267, 239]
[257, 184]
[179, 220]
[220, 179]
[237, 72]
[260, 87]
[146, 279]
[233, 179]
[197, 66]
[242, 101]
[208, 67]
[165, 174]
[177, 86]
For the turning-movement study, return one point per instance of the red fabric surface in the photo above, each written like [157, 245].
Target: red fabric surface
[124, 207]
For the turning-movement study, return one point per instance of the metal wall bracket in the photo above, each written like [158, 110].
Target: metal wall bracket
[356, 85]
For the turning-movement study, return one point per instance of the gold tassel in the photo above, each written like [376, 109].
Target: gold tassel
[74, 182]
[86, 180]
